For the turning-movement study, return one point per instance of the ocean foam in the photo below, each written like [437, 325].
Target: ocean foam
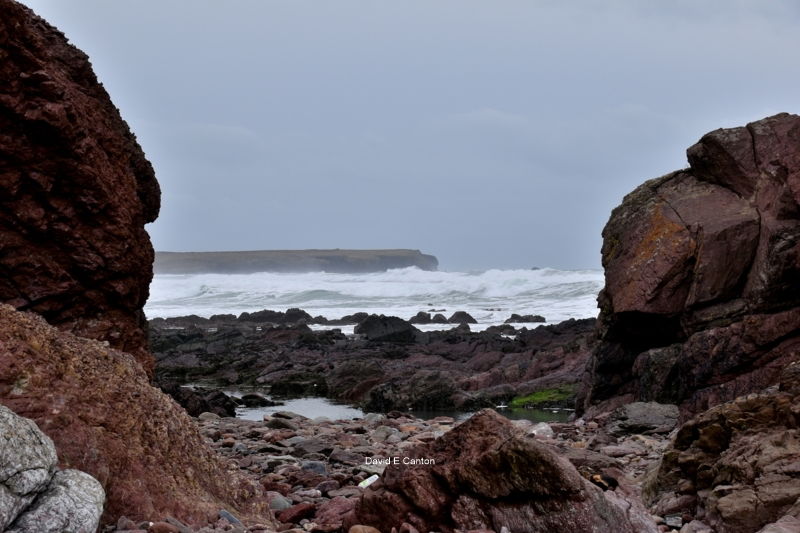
[490, 296]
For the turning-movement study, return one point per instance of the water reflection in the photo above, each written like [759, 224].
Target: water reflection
[319, 407]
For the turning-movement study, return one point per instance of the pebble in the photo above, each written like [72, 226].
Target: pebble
[306, 464]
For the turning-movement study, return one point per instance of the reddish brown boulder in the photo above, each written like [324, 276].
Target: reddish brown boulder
[485, 474]
[295, 513]
[701, 301]
[75, 191]
[105, 419]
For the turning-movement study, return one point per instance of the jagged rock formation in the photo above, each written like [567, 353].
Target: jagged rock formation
[432, 370]
[487, 475]
[75, 191]
[701, 302]
[346, 261]
[105, 419]
[35, 496]
[737, 465]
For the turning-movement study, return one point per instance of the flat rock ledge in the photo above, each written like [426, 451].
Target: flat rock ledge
[36, 496]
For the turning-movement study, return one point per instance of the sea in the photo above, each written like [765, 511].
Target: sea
[489, 296]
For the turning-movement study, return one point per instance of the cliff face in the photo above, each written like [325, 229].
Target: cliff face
[105, 419]
[702, 300]
[346, 261]
[75, 191]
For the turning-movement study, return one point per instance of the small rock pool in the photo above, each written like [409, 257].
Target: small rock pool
[319, 407]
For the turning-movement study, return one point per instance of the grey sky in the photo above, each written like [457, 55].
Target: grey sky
[492, 134]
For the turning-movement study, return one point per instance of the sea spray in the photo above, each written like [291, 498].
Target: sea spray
[490, 296]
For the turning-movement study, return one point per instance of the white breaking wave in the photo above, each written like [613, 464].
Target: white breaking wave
[490, 296]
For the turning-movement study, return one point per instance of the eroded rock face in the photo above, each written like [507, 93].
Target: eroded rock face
[96, 404]
[701, 302]
[36, 497]
[737, 464]
[487, 475]
[75, 191]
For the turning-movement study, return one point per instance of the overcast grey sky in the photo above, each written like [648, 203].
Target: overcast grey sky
[496, 133]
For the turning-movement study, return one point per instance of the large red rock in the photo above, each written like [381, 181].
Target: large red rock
[105, 419]
[701, 302]
[487, 475]
[75, 191]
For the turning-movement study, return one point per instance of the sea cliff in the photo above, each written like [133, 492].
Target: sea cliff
[344, 261]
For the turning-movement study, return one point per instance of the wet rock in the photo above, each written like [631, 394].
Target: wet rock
[439, 318]
[461, 317]
[200, 400]
[516, 319]
[381, 328]
[420, 318]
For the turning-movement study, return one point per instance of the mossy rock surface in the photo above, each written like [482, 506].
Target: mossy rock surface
[561, 396]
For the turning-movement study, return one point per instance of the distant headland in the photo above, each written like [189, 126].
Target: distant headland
[247, 262]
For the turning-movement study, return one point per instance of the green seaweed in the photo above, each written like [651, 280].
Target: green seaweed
[545, 397]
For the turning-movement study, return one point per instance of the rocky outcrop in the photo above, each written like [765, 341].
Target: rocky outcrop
[382, 328]
[346, 261]
[75, 191]
[701, 302]
[486, 475]
[96, 404]
[736, 466]
[394, 367]
[35, 496]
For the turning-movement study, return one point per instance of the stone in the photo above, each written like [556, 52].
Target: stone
[36, 497]
[295, 513]
[326, 486]
[381, 328]
[76, 189]
[700, 299]
[256, 400]
[516, 319]
[85, 395]
[420, 318]
[281, 423]
[27, 461]
[332, 512]
[644, 418]
[318, 467]
[787, 524]
[73, 501]
[439, 318]
[363, 529]
[461, 317]
[163, 527]
[278, 502]
[483, 474]
[737, 461]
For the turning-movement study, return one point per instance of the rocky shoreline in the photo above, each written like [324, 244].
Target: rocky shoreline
[388, 364]
[687, 387]
[312, 468]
